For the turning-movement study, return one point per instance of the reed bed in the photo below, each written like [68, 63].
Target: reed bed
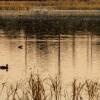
[38, 88]
[50, 4]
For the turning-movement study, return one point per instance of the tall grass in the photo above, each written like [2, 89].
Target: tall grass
[35, 89]
[77, 89]
[93, 90]
[55, 88]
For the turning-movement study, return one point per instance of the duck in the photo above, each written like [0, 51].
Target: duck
[20, 46]
[4, 67]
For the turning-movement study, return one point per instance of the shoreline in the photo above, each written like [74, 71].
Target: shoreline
[40, 12]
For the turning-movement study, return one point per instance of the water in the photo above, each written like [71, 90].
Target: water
[79, 56]
[79, 53]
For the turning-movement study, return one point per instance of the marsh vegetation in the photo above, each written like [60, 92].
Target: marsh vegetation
[48, 88]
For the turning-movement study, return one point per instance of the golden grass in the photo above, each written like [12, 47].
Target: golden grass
[22, 5]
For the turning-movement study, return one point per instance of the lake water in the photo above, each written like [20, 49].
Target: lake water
[78, 49]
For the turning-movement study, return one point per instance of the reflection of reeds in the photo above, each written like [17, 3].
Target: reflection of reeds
[35, 89]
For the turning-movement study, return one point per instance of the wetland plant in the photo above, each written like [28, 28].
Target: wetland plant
[36, 88]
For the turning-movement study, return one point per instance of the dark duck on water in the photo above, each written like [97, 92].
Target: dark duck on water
[4, 67]
[20, 46]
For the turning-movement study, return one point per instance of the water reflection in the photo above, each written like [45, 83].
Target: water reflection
[79, 56]
[78, 49]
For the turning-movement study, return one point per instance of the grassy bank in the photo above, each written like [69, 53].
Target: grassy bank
[61, 5]
[48, 88]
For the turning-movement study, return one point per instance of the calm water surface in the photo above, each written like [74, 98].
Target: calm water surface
[76, 51]
[79, 55]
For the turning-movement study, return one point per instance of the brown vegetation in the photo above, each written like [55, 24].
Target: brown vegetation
[36, 88]
[49, 4]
